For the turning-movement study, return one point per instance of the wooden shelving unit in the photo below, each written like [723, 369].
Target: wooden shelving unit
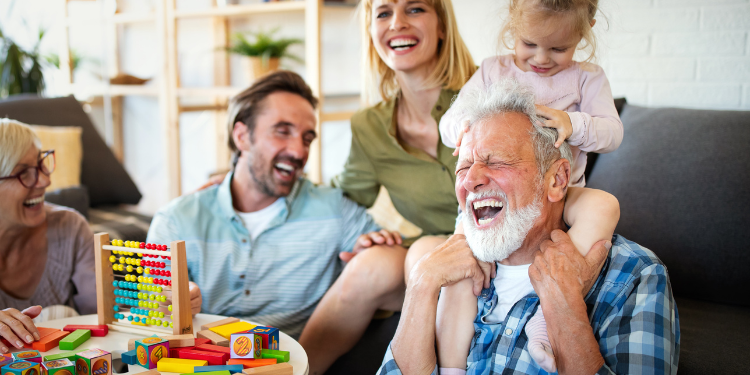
[168, 89]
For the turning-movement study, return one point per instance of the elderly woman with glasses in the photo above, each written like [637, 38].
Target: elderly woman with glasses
[46, 251]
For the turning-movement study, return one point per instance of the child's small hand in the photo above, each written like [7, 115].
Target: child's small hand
[556, 119]
[464, 129]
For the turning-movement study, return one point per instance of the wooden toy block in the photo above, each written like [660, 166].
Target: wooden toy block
[200, 341]
[130, 357]
[43, 332]
[150, 350]
[96, 330]
[270, 336]
[219, 323]
[74, 339]
[94, 362]
[5, 359]
[150, 372]
[245, 345]
[59, 366]
[180, 341]
[280, 355]
[231, 368]
[213, 358]
[277, 369]
[28, 355]
[213, 373]
[50, 342]
[215, 338]
[175, 352]
[182, 366]
[21, 368]
[213, 348]
[253, 362]
[228, 329]
[69, 355]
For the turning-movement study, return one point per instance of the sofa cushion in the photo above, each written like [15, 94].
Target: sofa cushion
[66, 141]
[76, 197]
[106, 179]
[682, 180]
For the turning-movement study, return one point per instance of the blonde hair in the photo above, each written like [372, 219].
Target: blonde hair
[454, 65]
[15, 139]
[580, 12]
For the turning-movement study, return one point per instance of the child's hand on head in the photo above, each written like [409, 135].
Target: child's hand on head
[464, 129]
[556, 119]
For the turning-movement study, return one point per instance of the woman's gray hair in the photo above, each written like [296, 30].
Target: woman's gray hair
[508, 95]
[15, 140]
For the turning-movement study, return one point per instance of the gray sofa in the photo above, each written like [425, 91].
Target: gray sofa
[683, 181]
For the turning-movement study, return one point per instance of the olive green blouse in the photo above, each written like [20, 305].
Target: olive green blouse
[420, 186]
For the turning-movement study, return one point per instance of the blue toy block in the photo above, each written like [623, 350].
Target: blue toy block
[231, 368]
[130, 357]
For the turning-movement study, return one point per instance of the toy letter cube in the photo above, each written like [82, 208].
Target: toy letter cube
[94, 362]
[269, 335]
[21, 368]
[6, 359]
[245, 345]
[58, 367]
[28, 355]
[150, 350]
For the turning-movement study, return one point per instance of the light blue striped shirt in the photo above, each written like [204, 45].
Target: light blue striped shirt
[278, 278]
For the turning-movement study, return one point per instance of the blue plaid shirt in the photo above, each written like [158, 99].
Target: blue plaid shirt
[631, 310]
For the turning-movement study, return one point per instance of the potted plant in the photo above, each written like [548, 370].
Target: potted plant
[20, 70]
[264, 51]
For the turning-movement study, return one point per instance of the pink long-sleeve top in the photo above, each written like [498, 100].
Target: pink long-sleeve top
[582, 90]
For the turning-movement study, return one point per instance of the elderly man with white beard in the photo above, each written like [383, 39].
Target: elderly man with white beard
[611, 311]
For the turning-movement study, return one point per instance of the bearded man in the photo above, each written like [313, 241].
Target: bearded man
[611, 311]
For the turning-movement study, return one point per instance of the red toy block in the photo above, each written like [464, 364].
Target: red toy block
[49, 342]
[213, 348]
[199, 341]
[175, 352]
[96, 330]
[213, 358]
[252, 363]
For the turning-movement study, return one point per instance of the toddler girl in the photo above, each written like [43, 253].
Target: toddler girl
[576, 100]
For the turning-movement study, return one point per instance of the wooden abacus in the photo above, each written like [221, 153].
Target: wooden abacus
[126, 293]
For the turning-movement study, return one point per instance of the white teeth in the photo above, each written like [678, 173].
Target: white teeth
[488, 203]
[285, 167]
[31, 202]
[396, 43]
[484, 221]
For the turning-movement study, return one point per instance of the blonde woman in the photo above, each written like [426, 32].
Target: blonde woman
[46, 251]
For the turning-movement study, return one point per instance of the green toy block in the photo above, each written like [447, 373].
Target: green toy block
[280, 355]
[75, 339]
[58, 367]
[67, 355]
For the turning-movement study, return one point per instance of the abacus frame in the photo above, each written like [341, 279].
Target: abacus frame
[182, 319]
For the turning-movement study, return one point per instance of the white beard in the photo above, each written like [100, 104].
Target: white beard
[496, 243]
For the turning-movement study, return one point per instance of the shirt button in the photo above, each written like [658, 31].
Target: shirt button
[508, 331]
[247, 292]
[242, 276]
[244, 240]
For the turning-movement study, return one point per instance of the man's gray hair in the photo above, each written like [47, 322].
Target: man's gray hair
[508, 95]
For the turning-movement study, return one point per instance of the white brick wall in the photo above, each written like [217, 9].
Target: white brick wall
[681, 53]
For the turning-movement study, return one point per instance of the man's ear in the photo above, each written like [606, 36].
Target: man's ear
[241, 136]
[557, 180]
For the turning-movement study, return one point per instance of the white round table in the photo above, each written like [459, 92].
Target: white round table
[118, 341]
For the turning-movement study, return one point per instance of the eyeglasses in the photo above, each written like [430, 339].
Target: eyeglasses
[30, 176]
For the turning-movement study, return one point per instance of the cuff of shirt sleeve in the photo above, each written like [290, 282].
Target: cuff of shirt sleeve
[452, 371]
[578, 121]
[604, 370]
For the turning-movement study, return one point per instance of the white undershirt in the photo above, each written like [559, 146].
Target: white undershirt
[511, 284]
[258, 221]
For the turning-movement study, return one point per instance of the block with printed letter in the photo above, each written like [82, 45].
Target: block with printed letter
[270, 336]
[245, 345]
[150, 350]
[21, 368]
[94, 362]
[59, 367]
[28, 355]
[5, 359]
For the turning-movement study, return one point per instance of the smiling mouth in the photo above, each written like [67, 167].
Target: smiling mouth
[539, 69]
[33, 201]
[285, 169]
[402, 44]
[486, 210]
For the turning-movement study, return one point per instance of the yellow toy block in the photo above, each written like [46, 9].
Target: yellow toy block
[180, 366]
[227, 330]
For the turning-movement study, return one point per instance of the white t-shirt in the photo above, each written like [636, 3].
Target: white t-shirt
[511, 284]
[258, 221]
